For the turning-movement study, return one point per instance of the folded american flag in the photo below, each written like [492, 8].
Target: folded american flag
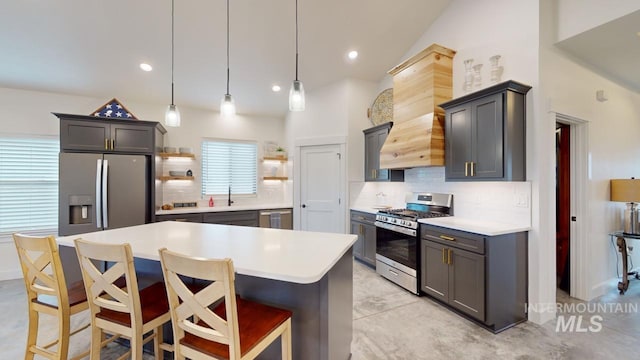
[114, 109]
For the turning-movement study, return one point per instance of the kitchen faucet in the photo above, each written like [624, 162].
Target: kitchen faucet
[229, 202]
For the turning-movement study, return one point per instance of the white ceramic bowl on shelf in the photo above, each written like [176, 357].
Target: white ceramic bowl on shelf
[170, 149]
[186, 150]
[177, 173]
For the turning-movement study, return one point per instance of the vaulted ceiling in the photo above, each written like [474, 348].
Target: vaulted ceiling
[94, 48]
[611, 49]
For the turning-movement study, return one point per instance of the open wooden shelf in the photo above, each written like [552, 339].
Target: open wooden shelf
[275, 178]
[165, 178]
[176, 155]
[275, 158]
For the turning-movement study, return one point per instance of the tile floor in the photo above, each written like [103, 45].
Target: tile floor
[390, 323]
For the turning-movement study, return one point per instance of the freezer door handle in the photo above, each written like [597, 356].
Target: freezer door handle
[98, 205]
[105, 205]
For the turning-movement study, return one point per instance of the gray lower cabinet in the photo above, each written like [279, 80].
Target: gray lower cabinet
[191, 217]
[373, 140]
[485, 134]
[241, 218]
[483, 277]
[362, 224]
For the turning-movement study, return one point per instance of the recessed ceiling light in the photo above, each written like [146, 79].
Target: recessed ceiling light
[638, 33]
[275, 88]
[352, 54]
[146, 67]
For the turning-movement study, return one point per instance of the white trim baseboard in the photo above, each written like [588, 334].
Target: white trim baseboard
[10, 275]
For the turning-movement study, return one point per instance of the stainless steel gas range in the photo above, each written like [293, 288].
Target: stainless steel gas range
[397, 245]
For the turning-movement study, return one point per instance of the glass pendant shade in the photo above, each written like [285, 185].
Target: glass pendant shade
[227, 106]
[172, 116]
[296, 96]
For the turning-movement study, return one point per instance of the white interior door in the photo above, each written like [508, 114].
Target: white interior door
[321, 179]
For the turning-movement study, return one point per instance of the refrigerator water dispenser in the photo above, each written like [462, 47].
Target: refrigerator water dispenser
[80, 209]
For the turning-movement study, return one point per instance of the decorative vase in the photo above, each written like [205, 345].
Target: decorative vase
[496, 71]
[477, 77]
[468, 75]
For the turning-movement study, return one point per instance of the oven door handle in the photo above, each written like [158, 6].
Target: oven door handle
[396, 228]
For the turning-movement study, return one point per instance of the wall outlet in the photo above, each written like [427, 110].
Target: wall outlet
[521, 199]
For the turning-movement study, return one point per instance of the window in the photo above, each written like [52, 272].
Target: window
[28, 185]
[229, 164]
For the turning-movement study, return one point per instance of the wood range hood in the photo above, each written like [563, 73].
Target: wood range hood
[419, 85]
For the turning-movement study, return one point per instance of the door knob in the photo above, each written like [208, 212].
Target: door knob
[304, 206]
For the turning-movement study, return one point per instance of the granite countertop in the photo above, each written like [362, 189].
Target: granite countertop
[203, 209]
[287, 255]
[487, 228]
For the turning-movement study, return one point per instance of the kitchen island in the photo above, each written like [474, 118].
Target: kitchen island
[309, 273]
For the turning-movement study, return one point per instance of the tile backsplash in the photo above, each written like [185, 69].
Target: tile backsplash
[498, 201]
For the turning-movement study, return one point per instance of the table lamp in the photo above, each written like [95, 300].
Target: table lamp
[628, 190]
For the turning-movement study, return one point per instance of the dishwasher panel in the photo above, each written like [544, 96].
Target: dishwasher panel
[276, 219]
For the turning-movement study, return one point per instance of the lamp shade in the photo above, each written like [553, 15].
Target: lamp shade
[625, 190]
[172, 116]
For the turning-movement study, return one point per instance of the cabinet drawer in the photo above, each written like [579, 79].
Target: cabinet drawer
[180, 217]
[453, 238]
[363, 217]
[242, 218]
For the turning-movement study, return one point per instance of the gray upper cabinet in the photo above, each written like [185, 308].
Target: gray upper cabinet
[485, 134]
[87, 133]
[132, 138]
[373, 140]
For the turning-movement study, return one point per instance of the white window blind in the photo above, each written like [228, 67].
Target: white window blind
[28, 186]
[229, 164]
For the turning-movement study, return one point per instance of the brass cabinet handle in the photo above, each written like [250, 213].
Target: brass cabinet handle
[473, 168]
[361, 229]
[180, 220]
[375, 173]
[449, 256]
[443, 256]
[449, 238]
[466, 168]
[106, 144]
[113, 144]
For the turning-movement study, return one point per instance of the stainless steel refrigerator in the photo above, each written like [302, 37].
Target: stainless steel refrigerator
[102, 191]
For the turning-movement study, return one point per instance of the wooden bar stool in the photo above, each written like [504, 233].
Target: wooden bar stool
[127, 312]
[234, 329]
[47, 293]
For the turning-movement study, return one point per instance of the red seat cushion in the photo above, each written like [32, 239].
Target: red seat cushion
[255, 322]
[153, 302]
[75, 292]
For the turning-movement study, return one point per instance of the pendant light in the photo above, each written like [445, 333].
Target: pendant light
[227, 105]
[296, 94]
[172, 115]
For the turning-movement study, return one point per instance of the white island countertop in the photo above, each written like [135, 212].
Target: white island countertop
[488, 228]
[293, 256]
[223, 208]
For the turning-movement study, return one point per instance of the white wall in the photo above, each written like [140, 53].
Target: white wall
[29, 112]
[336, 110]
[198, 124]
[613, 125]
[577, 16]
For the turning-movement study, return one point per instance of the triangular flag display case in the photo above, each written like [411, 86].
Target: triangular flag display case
[114, 109]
